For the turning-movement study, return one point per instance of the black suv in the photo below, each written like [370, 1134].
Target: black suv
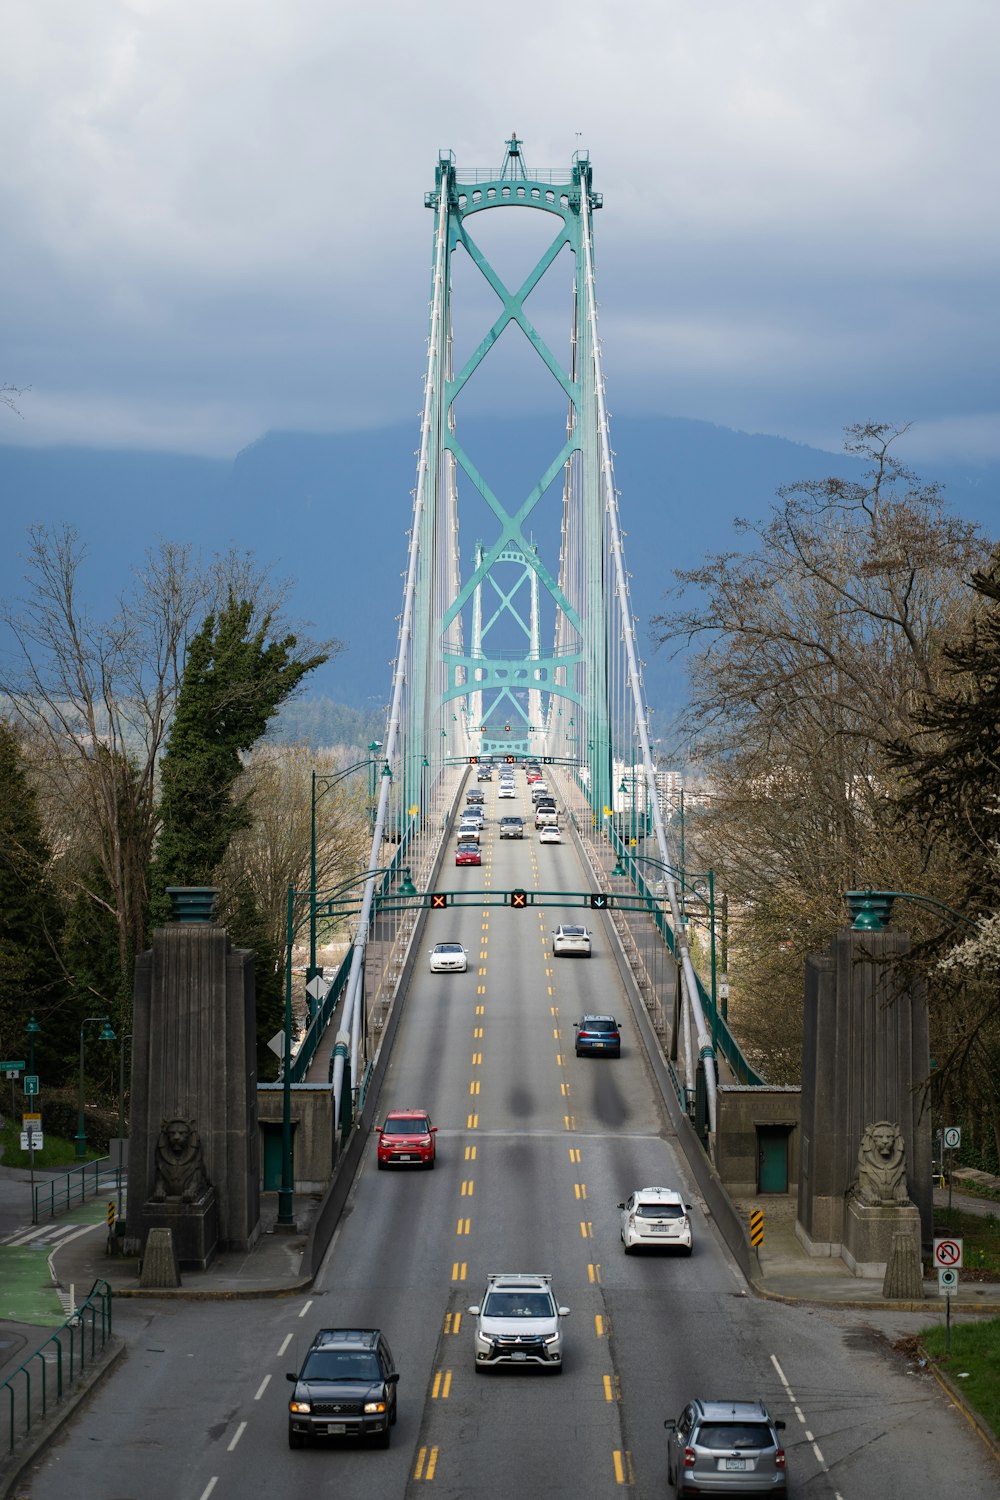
[345, 1388]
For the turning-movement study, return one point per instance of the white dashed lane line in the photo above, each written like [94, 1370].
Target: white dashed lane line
[806, 1433]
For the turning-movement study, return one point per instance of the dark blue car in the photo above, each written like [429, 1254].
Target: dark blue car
[598, 1034]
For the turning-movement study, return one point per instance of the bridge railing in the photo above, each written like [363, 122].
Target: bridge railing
[726, 1043]
[66, 1189]
[45, 1377]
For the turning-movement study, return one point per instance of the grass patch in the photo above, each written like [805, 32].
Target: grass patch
[980, 1234]
[973, 1364]
[57, 1151]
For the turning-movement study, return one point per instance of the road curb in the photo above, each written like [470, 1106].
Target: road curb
[215, 1294]
[12, 1468]
[880, 1304]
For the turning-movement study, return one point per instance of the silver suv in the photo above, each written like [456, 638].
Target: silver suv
[518, 1322]
[725, 1448]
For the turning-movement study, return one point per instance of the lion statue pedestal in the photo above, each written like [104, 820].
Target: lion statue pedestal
[881, 1225]
[183, 1199]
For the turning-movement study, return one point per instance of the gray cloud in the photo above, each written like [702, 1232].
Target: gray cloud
[214, 220]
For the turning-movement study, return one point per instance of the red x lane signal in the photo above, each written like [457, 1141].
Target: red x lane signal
[518, 898]
[439, 900]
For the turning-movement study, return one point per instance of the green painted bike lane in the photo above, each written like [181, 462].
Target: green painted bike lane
[27, 1293]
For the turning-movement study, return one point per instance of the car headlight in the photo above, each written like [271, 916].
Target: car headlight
[302, 1407]
[372, 1407]
[552, 1338]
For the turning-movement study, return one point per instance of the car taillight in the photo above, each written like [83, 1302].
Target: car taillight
[689, 1458]
[779, 1458]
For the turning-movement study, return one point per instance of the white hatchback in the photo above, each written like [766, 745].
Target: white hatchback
[656, 1218]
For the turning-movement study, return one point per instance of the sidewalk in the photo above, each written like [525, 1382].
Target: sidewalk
[75, 1247]
[785, 1272]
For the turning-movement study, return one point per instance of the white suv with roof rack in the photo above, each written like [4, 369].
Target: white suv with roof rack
[518, 1322]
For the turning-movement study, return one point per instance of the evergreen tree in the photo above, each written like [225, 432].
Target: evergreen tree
[31, 974]
[235, 679]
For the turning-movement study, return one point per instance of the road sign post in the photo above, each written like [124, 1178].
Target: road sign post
[951, 1139]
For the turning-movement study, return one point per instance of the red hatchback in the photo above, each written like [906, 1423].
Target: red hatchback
[406, 1139]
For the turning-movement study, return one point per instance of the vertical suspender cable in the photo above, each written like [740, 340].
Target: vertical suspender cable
[705, 1051]
[351, 1020]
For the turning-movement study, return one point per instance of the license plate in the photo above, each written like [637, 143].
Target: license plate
[597, 1044]
[737, 1463]
[335, 1429]
[409, 1158]
[660, 1229]
[519, 1354]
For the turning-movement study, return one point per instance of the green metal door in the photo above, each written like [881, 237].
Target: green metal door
[272, 1133]
[772, 1158]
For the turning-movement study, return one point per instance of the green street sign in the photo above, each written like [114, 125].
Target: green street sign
[11, 1068]
[31, 1083]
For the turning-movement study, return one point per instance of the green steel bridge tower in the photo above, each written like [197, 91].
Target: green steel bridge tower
[524, 653]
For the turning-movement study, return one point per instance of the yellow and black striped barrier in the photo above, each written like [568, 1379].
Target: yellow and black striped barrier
[111, 1213]
[756, 1228]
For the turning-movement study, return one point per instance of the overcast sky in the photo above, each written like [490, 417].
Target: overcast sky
[213, 220]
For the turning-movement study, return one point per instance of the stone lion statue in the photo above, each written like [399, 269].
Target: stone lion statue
[881, 1176]
[180, 1167]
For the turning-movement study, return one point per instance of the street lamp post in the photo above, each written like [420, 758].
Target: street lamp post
[32, 1029]
[106, 1035]
[127, 1037]
[691, 884]
[286, 1193]
[327, 783]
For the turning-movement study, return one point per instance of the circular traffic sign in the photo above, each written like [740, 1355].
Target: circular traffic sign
[952, 1137]
[947, 1279]
[947, 1253]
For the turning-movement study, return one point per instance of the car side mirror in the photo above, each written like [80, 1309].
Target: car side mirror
[392, 1378]
[290, 1375]
[687, 1208]
[563, 1312]
[474, 1310]
[433, 1129]
[779, 1426]
[671, 1424]
[620, 1205]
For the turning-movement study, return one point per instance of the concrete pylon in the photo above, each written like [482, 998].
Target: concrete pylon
[865, 1058]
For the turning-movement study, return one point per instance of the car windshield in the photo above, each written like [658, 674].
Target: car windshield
[594, 1023]
[341, 1364]
[734, 1435]
[518, 1305]
[572, 931]
[449, 948]
[659, 1211]
[416, 1125]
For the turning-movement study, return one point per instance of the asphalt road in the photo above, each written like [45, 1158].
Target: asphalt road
[536, 1148]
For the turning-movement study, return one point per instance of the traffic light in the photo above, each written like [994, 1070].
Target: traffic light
[439, 900]
[518, 898]
[599, 901]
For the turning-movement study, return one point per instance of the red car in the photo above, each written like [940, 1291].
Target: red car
[406, 1138]
[468, 854]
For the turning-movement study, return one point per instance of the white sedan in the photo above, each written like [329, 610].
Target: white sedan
[550, 833]
[571, 939]
[656, 1218]
[449, 958]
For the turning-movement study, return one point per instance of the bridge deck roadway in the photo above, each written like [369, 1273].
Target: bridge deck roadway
[536, 1149]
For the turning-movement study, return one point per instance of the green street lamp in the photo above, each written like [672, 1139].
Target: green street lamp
[32, 1029]
[326, 784]
[696, 885]
[286, 1193]
[872, 910]
[106, 1035]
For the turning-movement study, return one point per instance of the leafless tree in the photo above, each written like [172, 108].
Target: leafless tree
[818, 641]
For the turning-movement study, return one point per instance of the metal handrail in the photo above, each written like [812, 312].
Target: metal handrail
[92, 1317]
[68, 1188]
